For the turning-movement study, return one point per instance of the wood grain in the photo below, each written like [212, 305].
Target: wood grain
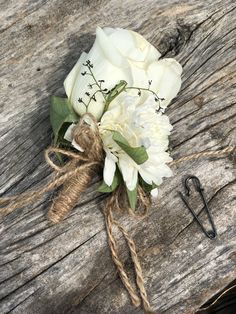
[68, 268]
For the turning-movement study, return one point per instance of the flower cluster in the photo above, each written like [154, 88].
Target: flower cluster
[122, 82]
[119, 54]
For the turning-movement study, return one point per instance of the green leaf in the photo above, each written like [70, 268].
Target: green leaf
[147, 187]
[138, 154]
[60, 158]
[61, 112]
[61, 140]
[114, 92]
[132, 197]
[104, 188]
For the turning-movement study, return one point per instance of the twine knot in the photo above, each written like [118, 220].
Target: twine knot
[86, 135]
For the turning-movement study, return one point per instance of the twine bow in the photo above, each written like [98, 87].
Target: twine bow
[75, 177]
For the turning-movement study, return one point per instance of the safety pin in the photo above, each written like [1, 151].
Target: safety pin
[197, 184]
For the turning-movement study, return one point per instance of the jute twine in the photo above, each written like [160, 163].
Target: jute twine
[74, 178]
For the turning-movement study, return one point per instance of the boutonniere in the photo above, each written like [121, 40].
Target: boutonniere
[113, 119]
[126, 87]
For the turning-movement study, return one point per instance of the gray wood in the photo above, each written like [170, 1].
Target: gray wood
[67, 268]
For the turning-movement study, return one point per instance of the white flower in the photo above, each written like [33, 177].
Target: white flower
[154, 193]
[69, 137]
[141, 125]
[116, 55]
[119, 54]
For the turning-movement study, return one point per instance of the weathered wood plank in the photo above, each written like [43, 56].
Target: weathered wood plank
[67, 268]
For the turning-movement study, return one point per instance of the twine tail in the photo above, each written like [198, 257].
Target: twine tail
[110, 222]
[138, 269]
[9, 204]
[212, 153]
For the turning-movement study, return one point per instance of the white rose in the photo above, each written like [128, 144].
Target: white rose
[119, 54]
[141, 125]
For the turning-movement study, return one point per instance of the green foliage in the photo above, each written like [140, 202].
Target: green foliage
[114, 92]
[61, 113]
[132, 197]
[104, 188]
[138, 154]
[147, 187]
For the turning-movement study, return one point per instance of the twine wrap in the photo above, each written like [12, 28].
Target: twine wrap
[75, 177]
[86, 135]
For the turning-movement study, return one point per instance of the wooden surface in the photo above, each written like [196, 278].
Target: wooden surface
[67, 268]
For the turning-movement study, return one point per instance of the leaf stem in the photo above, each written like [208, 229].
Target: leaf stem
[145, 89]
[96, 82]
[92, 97]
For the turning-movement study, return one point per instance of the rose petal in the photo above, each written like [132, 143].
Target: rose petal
[166, 79]
[70, 81]
[133, 46]
[110, 51]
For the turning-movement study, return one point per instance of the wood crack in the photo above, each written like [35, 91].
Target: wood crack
[203, 130]
[30, 295]
[50, 266]
[92, 289]
[208, 35]
[14, 275]
[208, 77]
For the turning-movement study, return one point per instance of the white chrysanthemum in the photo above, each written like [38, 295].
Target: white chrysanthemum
[141, 125]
